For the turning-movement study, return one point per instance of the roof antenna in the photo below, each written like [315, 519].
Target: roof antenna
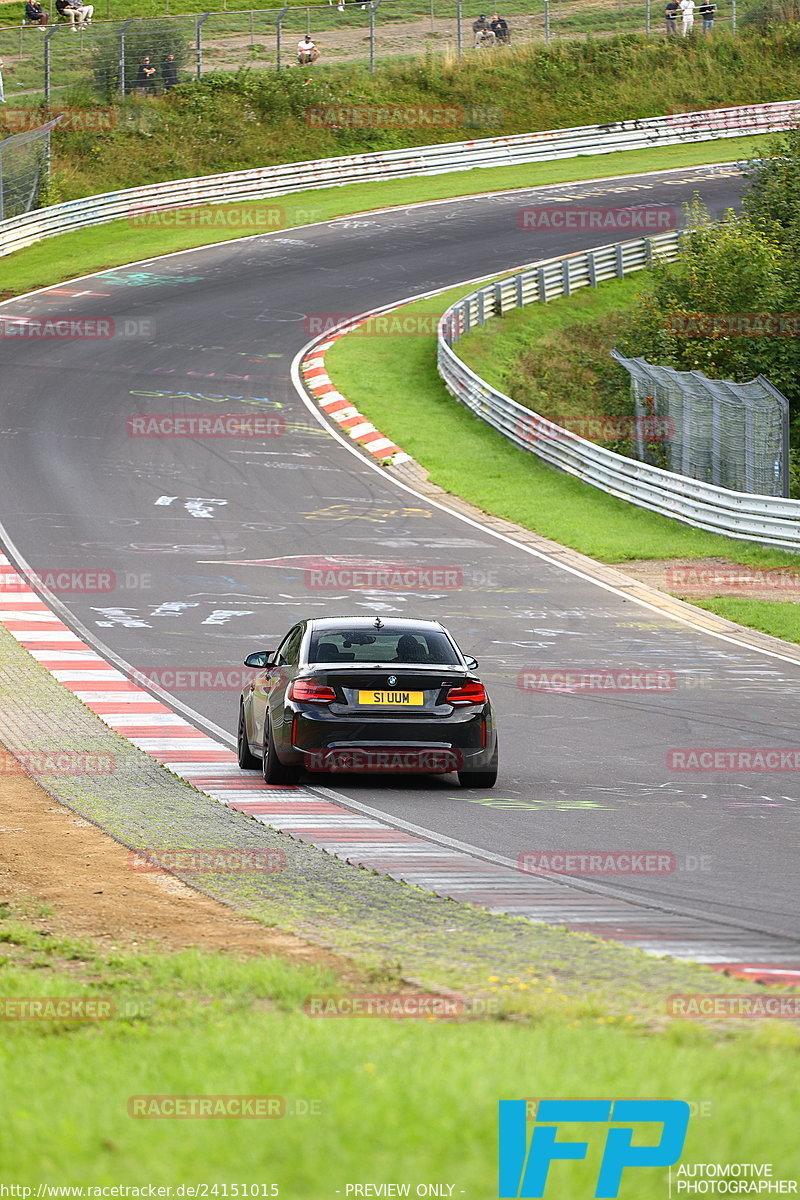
[378, 623]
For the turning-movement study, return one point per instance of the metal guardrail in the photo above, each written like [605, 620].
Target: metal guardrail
[265, 182]
[766, 519]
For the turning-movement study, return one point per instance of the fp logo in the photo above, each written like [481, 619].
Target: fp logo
[524, 1168]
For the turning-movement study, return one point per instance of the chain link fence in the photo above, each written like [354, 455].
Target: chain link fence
[732, 435]
[24, 168]
[41, 61]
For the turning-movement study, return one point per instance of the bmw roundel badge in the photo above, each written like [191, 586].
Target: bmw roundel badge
[392, 680]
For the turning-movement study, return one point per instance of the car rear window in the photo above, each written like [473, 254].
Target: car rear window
[382, 646]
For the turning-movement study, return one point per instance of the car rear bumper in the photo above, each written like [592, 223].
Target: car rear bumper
[322, 742]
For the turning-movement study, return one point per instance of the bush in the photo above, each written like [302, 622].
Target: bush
[773, 13]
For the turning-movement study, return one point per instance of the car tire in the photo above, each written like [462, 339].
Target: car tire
[272, 769]
[484, 778]
[247, 760]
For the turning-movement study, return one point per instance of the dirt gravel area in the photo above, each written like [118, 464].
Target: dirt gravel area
[699, 577]
[51, 857]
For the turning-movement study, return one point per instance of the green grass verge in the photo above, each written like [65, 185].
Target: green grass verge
[409, 1094]
[492, 350]
[470, 459]
[781, 618]
[88, 250]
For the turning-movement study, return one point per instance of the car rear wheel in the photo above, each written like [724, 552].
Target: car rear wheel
[485, 778]
[247, 761]
[273, 770]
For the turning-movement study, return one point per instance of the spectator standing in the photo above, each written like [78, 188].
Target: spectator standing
[480, 27]
[35, 14]
[169, 72]
[145, 77]
[671, 16]
[307, 52]
[499, 27]
[706, 11]
[687, 11]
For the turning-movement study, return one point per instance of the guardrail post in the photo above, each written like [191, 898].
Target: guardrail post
[498, 299]
[592, 265]
[199, 42]
[122, 31]
[648, 252]
[619, 262]
[565, 277]
[784, 446]
[520, 293]
[372, 10]
[547, 22]
[647, 18]
[481, 309]
[47, 38]
[458, 27]
[541, 285]
[278, 27]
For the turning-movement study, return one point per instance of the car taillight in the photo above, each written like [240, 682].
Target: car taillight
[467, 693]
[311, 691]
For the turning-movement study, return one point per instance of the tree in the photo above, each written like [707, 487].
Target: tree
[736, 272]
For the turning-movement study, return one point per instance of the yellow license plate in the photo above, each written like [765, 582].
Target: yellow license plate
[392, 699]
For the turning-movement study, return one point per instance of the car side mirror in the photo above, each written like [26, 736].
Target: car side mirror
[471, 662]
[261, 658]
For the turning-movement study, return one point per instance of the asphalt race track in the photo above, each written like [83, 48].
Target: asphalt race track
[184, 526]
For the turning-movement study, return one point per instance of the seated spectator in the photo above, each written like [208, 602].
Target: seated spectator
[68, 11]
[145, 82]
[169, 72]
[480, 28]
[499, 27]
[307, 52]
[35, 14]
[85, 12]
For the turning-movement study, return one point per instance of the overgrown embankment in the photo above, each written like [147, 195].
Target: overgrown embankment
[233, 121]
